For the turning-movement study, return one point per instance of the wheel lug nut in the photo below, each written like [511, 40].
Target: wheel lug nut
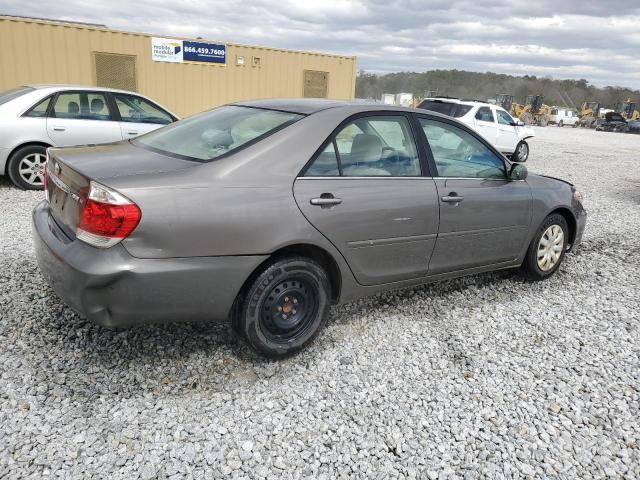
[286, 299]
[293, 311]
[284, 316]
[295, 300]
[279, 309]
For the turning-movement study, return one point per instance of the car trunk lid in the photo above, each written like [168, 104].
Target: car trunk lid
[71, 170]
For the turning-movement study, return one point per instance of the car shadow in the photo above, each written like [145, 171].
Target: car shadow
[87, 361]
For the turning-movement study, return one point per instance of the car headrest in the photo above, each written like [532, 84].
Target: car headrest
[97, 105]
[73, 107]
[366, 148]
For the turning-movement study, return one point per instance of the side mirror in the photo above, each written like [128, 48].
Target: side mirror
[517, 123]
[518, 172]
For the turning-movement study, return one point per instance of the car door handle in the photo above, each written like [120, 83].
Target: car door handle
[326, 200]
[59, 129]
[132, 133]
[453, 198]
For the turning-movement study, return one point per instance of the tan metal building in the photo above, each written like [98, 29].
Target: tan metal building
[48, 51]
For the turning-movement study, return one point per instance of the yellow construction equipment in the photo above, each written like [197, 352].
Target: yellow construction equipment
[628, 110]
[533, 111]
[589, 114]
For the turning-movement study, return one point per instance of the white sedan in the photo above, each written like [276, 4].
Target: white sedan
[35, 117]
[491, 121]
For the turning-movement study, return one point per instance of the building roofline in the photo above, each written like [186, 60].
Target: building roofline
[103, 28]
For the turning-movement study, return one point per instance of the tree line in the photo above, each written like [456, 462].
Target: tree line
[483, 86]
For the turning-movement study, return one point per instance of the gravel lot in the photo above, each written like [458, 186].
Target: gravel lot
[480, 377]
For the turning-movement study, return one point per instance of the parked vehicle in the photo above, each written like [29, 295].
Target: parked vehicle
[633, 126]
[612, 122]
[564, 116]
[491, 121]
[35, 117]
[267, 212]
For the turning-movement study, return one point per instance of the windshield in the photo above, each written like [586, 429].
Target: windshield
[9, 95]
[217, 132]
[447, 108]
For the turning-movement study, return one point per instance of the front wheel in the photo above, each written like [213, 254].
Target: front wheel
[522, 152]
[547, 249]
[26, 167]
[560, 124]
[284, 307]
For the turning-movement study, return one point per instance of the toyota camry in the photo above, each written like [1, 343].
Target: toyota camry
[265, 213]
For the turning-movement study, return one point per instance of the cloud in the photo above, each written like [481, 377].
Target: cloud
[565, 39]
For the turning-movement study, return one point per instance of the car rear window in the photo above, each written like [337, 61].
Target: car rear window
[447, 108]
[9, 95]
[217, 132]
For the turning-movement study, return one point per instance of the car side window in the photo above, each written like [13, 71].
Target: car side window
[484, 114]
[375, 146]
[40, 109]
[136, 109]
[82, 106]
[457, 153]
[504, 118]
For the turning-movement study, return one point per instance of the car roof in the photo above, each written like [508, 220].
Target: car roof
[70, 86]
[308, 106]
[305, 106]
[460, 101]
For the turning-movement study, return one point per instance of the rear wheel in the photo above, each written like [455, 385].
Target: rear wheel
[284, 307]
[547, 249]
[26, 167]
[560, 124]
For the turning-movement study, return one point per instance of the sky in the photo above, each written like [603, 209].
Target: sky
[597, 40]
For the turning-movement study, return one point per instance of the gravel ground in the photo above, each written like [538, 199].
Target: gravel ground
[482, 377]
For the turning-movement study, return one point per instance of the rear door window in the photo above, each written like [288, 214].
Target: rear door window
[375, 146]
[82, 106]
[484, 114]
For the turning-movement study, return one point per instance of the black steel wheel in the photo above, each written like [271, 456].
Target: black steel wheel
[284, 307]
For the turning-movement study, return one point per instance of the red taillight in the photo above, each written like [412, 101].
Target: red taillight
[107, 217]
[106, 220]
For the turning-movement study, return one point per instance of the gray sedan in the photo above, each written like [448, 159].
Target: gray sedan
[267, 212]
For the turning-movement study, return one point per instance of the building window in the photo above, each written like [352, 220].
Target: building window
[116, 71]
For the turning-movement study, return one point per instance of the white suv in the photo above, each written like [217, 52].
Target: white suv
[35, 117]
[491, 121]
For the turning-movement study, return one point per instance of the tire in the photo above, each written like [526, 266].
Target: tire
[26, 167]
[527, 118]
[560, 124]
[543, 261]
[296, 285]
[521, 154]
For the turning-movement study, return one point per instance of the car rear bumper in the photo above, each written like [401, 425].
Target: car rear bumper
[114, 289]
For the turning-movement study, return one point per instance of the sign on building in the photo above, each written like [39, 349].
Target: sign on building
[186, 51]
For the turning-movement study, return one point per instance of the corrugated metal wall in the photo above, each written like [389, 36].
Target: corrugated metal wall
[36, 51]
